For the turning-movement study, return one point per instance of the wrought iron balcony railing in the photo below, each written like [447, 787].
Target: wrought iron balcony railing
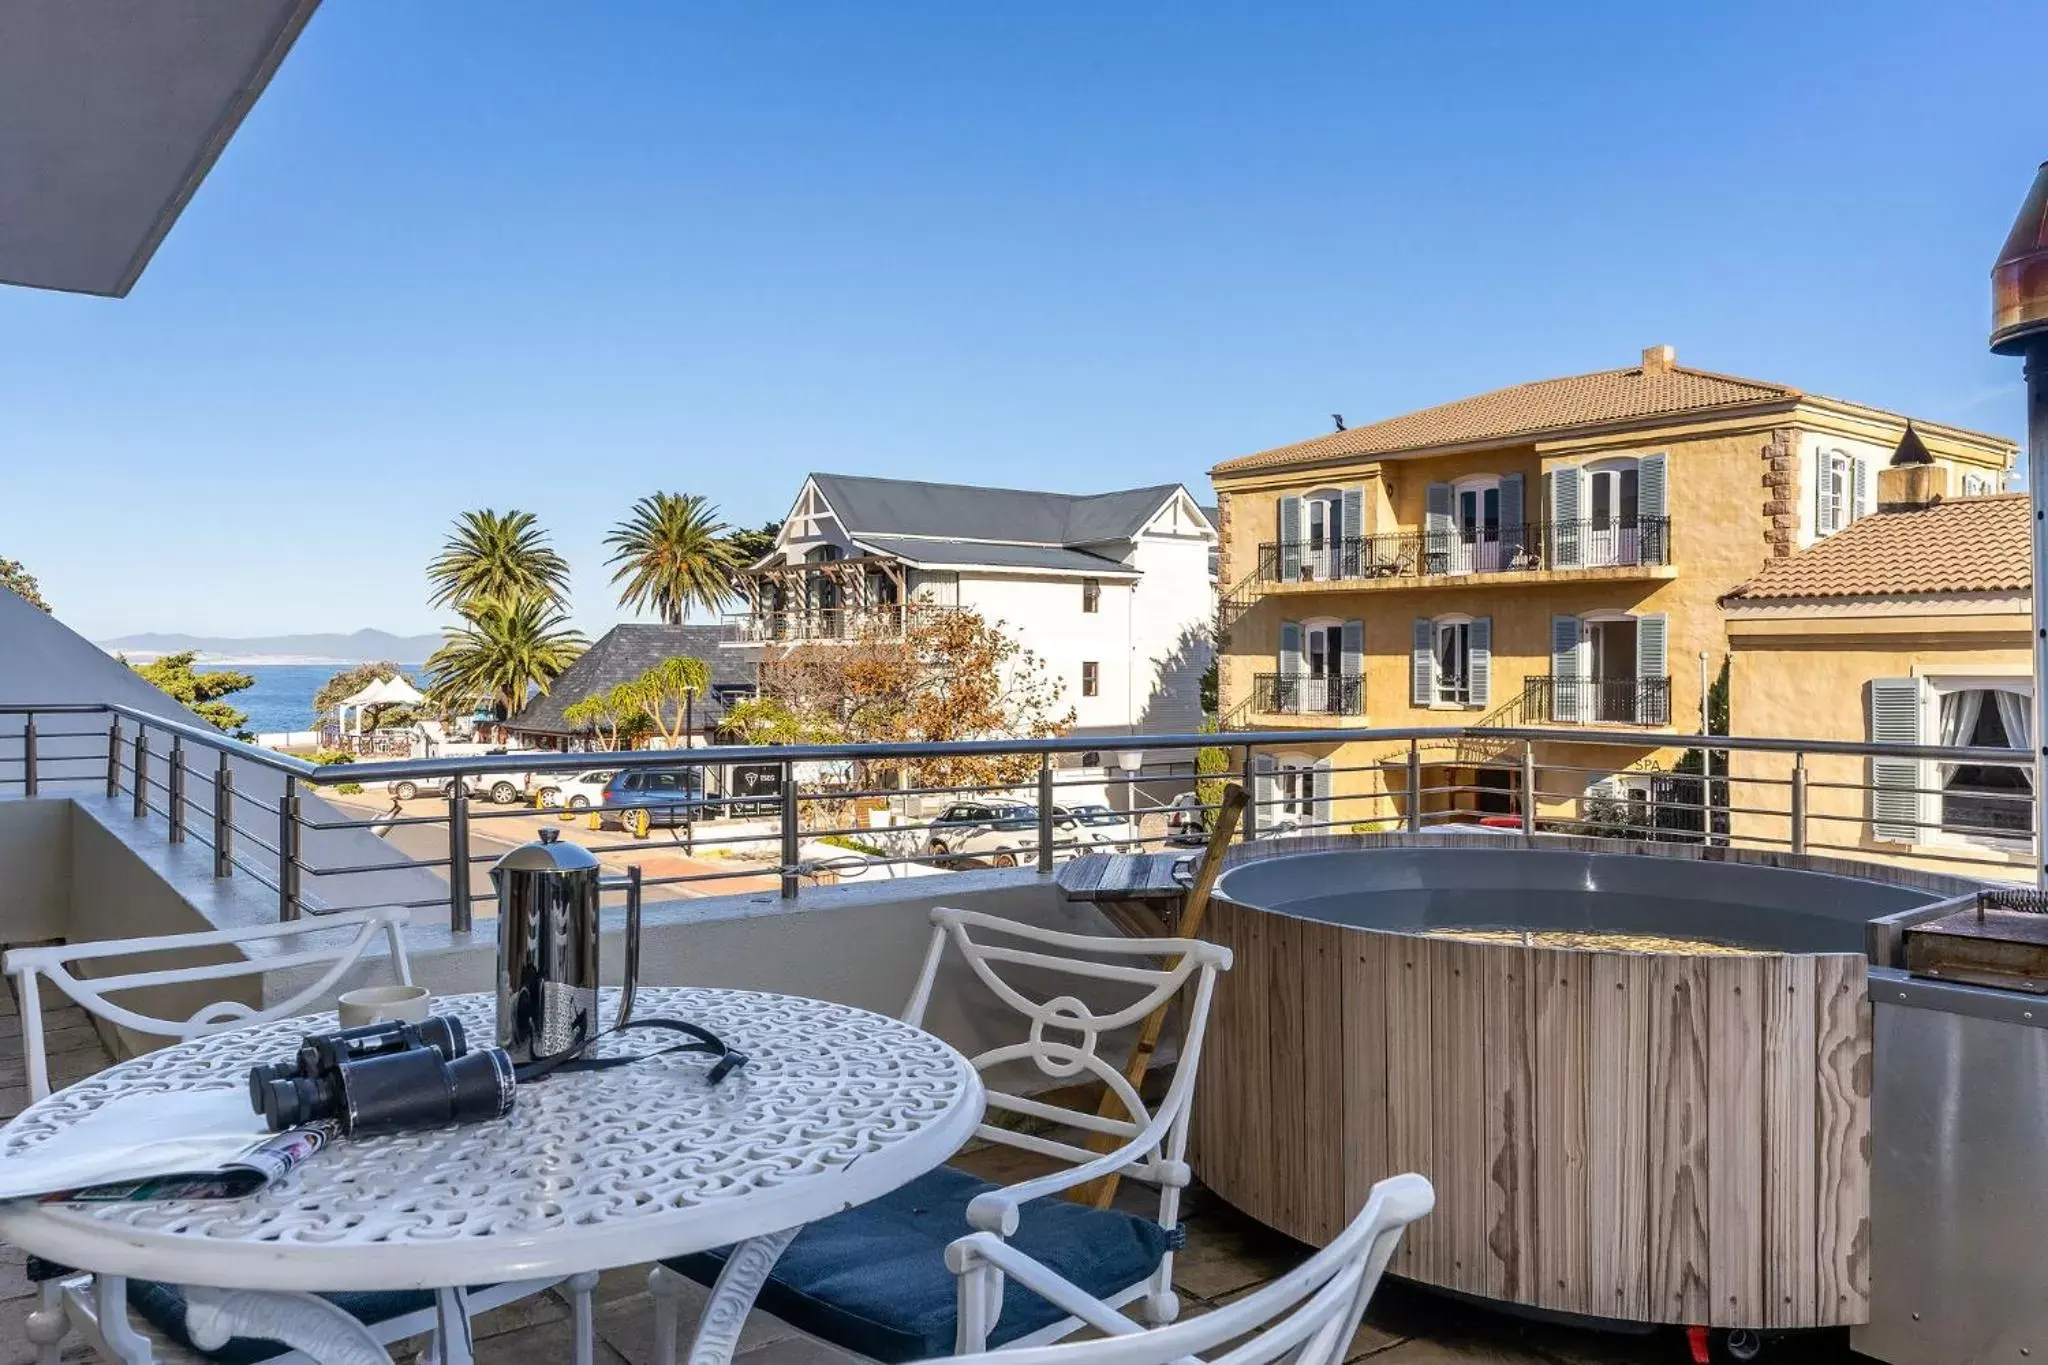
[1501, 549]
[1597, 701]
[1295, 694]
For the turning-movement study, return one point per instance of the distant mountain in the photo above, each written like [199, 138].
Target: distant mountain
[362, 646]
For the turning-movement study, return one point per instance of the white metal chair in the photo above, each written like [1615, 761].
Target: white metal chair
[98, 1306]
[878, 1279]
[1307, 1316]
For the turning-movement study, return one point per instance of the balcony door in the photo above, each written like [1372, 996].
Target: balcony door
[1323, 517]
[1613, 514]
[1611, 666]
[1475, 516]
[1322, 653]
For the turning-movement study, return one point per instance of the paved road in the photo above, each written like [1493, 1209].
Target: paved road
[494, 830]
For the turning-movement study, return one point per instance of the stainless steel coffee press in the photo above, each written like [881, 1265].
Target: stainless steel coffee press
[548, 948]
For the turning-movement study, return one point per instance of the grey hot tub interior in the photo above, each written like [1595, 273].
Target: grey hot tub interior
[1408, 889]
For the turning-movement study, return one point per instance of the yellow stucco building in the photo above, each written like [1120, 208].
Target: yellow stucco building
[1911, 627]
[1548, 554]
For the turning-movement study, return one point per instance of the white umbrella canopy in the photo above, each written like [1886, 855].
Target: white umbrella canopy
[391, 691]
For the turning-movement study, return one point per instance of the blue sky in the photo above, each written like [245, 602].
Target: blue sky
[557, 256]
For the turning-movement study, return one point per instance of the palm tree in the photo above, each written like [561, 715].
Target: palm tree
[673, 554]
[497, 557]
[502, 650]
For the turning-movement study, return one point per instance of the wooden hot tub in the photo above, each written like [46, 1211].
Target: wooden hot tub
[1677, 1137]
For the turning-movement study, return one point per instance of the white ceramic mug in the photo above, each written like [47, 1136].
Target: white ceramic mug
[375, 1004]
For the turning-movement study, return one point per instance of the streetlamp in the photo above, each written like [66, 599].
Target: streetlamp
[2019, 326]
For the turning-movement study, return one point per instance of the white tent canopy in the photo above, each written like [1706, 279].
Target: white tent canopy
[391, 691]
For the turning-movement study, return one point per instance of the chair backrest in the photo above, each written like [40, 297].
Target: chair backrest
[55, 961]
[1306, 1317]
[1063, 1033]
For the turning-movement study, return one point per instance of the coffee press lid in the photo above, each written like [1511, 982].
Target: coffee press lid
[548, 854]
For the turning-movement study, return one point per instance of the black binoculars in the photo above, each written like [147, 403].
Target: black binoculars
[384, 1078]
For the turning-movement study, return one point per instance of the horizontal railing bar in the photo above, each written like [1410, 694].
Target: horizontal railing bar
[539, 761]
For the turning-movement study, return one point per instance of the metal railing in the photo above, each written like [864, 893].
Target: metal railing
[1597, 701]
[1519, 548]
[825, 624]
[812, 823]
[1297, 694]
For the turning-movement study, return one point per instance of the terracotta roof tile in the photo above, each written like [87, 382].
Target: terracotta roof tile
[1959, 545]
[1578, 400]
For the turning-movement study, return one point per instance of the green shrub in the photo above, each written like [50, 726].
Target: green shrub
[328, 758]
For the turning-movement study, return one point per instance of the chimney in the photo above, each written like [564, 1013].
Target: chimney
[1912, 480]
[1659, 359]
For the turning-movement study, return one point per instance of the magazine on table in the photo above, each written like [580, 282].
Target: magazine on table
[200, 1144]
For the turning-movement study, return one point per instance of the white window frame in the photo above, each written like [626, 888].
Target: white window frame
[1086, 666]
[1462, 694]
[1472, 551]
[1934, 686]
[1326, 557]
[1293, 778]
[1617, 541]
[1832, 462]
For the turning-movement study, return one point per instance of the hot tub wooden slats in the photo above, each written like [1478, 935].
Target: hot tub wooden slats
[1790, 1253]
[1677, 1139]
[1735, 1141]
[1619, 1059]
[1842, 1114]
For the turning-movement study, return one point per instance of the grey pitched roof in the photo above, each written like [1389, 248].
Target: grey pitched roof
[624, 653]
[869, 507]
[944, 553]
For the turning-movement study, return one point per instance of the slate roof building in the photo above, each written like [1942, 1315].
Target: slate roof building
[624, 653]
[1113, 591]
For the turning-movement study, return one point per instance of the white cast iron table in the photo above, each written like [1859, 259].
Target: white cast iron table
[591, 1170]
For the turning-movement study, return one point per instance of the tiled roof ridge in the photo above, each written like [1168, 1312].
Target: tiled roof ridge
[1957, 545]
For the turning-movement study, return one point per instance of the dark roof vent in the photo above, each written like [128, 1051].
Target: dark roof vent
[1911, 449]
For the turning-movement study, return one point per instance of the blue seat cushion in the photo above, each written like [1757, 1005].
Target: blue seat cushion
[874, 1280]
[163, 1305]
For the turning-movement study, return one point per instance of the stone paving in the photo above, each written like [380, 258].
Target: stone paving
[1226, 1257]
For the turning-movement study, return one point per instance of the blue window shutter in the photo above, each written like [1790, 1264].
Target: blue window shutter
[1651, 475]
[1564, 668]
[1513, 512]
[1351, 686]
[1652, 634]
[1565, 517]
[1421, 664]
[1290, 538]
[1262, 789]
[1896, 807]
[1290, 648]
[1481, 665]
[1352, 532]
[1436, 521]
[1320, 813]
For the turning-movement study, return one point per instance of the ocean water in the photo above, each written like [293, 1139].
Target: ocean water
[282, 698]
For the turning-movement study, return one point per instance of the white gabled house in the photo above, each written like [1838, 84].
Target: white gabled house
[1115, 592]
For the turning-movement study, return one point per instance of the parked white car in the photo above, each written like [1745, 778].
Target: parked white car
[994, 833]
[1101, 830]
[574, 791]
[508, 788]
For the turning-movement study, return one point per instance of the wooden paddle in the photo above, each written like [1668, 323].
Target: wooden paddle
[1101, 1192]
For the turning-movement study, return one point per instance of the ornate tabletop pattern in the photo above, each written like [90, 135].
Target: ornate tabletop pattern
[836, 1106]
